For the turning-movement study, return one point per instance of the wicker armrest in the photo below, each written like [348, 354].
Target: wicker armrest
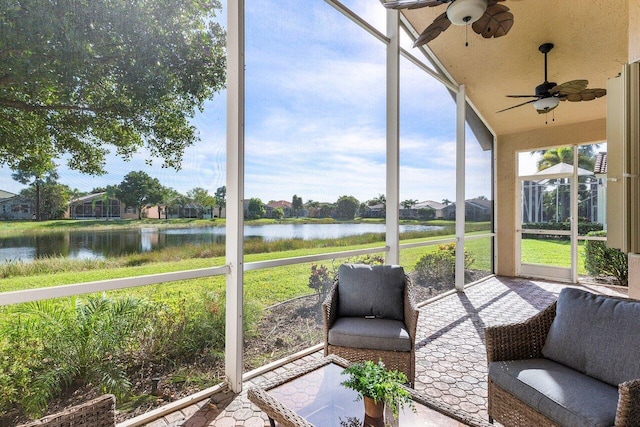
[519, 340]
[330, 310]
[410, 309]
[628, 413]
[98, 412]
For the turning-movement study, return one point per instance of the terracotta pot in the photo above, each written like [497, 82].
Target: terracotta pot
[373, 409]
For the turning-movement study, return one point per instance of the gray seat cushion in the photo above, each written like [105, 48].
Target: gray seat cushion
[596, 335]
[365, 290]
[560, 393]
[375, 334]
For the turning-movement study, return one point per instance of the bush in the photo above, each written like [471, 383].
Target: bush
[320, 280]
[441, 265]
[88, 343]
[603, 261]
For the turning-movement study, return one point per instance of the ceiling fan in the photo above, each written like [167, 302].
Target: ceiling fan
[549, 94]
[488, 18]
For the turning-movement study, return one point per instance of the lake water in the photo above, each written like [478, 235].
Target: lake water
[109, 243]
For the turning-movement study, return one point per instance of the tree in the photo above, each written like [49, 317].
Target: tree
[408, 204]
[362, 209]
[174, 202]
[557, 202]
[31, 171]
[82, 79]
[221, 199]
[346, 207]
[426, 213]
[446, 202]
[586, 157]
[278, 213]
[380, 200]
[139, 190]
[202, 198]
[53, 199]
[256, 208]
[296, 203]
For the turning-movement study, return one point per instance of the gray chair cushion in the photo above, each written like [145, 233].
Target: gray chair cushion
[375, 334]
[596, 335]
[365, 290]
[560, 393]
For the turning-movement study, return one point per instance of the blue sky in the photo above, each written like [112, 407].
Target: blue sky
[315, 118]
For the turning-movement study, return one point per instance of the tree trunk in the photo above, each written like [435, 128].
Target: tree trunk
[37, 201]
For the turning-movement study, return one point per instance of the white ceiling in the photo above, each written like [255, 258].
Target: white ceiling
[591, 42]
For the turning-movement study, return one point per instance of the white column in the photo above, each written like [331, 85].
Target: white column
[574, 217]
[460, 184]
[393, 138]
[235, 193]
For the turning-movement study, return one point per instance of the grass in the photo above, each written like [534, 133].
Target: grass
[551, 252]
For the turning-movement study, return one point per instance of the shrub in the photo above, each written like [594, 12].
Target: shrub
[192, 331]
[320, 280]
[440, 265]
[89, 343]
[603, 261]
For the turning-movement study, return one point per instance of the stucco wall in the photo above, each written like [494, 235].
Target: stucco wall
[549, 136]
[634, 30]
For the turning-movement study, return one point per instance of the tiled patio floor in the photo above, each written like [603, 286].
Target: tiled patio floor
[450, 357]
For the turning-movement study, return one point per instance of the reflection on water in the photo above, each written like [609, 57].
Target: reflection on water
[109, 243]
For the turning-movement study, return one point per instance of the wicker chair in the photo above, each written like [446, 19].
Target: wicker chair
[368, 346]
[99, 412]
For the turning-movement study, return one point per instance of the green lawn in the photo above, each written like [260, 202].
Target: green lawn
[551, 252]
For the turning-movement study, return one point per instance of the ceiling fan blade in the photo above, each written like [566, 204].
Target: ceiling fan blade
[496, 21]
[440, 24]
[522, 96]
[412, 4]
[573, 86]
[584, 95]
[519, 105]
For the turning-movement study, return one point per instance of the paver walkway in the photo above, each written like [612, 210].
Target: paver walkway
[451, 363]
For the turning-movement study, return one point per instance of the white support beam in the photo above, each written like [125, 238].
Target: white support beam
[235, 194]
[574, 217]
[460, 185]
[30, 295]
[393, 138]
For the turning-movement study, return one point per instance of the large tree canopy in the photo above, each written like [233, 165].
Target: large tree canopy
[81, 78]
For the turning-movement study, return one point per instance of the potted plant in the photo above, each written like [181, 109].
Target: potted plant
[377, 386]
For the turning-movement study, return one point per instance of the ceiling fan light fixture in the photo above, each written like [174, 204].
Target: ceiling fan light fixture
[546, 104]
[465, 12]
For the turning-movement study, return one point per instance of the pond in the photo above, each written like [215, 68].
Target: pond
[84, 244]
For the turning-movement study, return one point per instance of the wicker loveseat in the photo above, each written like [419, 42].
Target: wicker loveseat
[576, 363]
[369, 314]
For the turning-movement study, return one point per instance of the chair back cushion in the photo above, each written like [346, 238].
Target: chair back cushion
[596, 335]
[365, 290]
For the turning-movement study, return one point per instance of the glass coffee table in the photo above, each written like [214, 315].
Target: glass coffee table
[313, 396]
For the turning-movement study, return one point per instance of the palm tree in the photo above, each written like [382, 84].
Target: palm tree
[586, 157]
[555, 156]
